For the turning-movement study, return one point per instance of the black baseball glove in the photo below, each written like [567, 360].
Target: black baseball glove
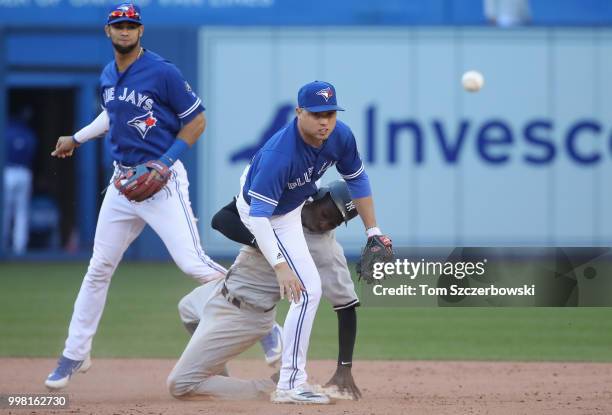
[378, 249]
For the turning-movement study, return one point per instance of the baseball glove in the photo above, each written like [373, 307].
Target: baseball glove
[143, 181]
[377, 249]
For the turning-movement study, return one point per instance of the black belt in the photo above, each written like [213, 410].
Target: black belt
[229, 298]
[239, 304]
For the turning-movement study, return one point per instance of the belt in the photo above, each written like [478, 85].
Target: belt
[121, 167]
[241, 304]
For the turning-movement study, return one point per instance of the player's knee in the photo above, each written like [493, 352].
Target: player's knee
[182, 386]
[178, 386]
[100, 269]
[185, 309]
[195, 270]
[314, 291]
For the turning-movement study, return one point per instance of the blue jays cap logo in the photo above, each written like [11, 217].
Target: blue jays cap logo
[326, 93]
[143, 123]
[318, 96]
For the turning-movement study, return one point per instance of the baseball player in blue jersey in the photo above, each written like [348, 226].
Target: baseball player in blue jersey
[274, 187]
[225, 318]
[151, 116]
[331, 206]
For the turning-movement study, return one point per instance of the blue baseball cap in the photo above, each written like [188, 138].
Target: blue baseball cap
[318, 96]
[124, 12]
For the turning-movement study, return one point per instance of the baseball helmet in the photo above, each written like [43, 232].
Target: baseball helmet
[338, 190]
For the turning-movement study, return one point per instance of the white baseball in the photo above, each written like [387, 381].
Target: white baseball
[472, 81]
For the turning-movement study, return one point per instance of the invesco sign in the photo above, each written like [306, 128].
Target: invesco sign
[495, 141]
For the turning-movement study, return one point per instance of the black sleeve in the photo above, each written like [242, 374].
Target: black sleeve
[227, 221]
[347, 332]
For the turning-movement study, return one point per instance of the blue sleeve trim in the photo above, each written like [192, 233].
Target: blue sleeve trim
[359, 186]
[187, 118]
[261, 209]
[263, 198]
[190, 109]
[353, 175]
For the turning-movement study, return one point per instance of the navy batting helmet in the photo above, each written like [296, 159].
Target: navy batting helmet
[338, 190]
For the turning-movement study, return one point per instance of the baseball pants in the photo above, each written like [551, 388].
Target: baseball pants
[336, 283]
[301, 315]
[16, 199]
[223, 332]
[119, 223]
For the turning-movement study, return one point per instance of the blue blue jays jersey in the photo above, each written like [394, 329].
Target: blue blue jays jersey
[147, 105]
[284, 171]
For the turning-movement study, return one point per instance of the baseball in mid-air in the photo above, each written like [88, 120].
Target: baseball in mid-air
[472, 81]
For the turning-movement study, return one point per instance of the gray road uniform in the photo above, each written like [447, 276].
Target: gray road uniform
[336, 282]
[233, 314]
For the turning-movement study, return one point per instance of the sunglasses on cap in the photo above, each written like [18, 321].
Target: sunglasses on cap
[130, 13]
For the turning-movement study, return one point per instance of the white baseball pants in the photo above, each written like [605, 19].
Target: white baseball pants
[300, 317]
[119, 223]
[16, 199]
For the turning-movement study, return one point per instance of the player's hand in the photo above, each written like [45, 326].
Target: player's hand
[288, 283]
[343, 380]
[65, 147]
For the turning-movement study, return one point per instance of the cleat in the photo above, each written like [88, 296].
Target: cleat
[302, 395]
[59, 378]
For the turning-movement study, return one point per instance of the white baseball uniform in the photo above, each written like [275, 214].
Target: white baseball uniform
[274, 187]
[145, 107]
[119, 223]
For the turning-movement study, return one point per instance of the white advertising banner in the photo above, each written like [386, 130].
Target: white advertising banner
[524, 161]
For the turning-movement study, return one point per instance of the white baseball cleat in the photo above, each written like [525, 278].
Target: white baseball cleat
[302, 395]
[59, 378]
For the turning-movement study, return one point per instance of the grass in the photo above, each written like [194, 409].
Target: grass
[140, 320]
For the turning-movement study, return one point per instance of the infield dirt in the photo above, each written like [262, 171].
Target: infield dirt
[137, 386]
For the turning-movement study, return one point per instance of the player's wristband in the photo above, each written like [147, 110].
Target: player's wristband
[373, 231]
[75, 141]
[174, 152]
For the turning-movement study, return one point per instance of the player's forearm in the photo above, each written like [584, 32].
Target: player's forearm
[365, 208]
[227, 221]
[185, 138]
[191, 132]
[95, 129]
[266, 240]
[347, 333]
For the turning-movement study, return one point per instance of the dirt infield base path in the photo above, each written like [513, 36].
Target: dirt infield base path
[137, 386]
